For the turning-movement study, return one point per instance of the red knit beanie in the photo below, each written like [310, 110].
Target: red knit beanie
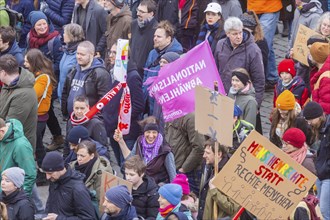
[295, 137]
[182, 180]
[286, 65]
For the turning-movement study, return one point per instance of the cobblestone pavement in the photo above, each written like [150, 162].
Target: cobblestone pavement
[280, 47]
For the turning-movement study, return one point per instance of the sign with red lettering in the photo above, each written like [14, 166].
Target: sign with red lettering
[263, 179]
[109, 180]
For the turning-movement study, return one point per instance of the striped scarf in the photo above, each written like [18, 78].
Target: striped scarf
[205, 28]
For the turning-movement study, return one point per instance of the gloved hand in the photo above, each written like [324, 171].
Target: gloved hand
[44, 6]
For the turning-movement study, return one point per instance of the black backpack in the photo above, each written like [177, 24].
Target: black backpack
[16, 20]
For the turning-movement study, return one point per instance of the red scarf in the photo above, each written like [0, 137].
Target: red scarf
[300, 154]
[164, 211]
[37, 41]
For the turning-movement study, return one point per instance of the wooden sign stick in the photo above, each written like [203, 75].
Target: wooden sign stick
[216, 161]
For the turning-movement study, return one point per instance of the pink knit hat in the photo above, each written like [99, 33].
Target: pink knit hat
[182, 180]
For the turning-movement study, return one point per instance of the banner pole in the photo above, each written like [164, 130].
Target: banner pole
[239, 213]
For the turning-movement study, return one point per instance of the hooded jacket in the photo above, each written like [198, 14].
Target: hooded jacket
[246, 101]
[69, 197]
[248, 56]
[16, 151]
[95, 85]
[11, 98]
[145, 198]
[16, 51]
[309, 19]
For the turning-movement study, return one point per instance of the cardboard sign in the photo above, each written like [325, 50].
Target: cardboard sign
[173, 88]
[263, 179]
[109, 180]
[300, 49]
[120, 68]
[214, 115]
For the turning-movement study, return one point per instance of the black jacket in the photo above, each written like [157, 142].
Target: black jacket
[142, 43]
[323, 154]
[19, 206]
[69, 197]
[110, 111]
[145, 199]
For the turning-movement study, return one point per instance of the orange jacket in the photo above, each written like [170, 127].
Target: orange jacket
[264, 6]
[40, 86]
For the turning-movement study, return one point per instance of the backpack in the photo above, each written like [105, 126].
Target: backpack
[16, 20]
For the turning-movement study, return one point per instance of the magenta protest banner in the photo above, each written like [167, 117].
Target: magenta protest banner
[174, 87]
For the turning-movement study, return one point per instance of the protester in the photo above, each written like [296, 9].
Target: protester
[145, 190]
[9, 45]
[117, 204]
[110, 60]
[92, 166]
[289, 81]
[212, 29]
[286, 115]
[64, 181]
[170, 201]
[323, 25]
[320, 123]
[242, 91]
[153, 150]
[72, 36]
[17, 202]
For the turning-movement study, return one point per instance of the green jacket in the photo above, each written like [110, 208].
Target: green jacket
[16, 151]
[4, 17]
[19, 101]
[186, 143]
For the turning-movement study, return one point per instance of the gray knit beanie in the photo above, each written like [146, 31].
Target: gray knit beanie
[15, 175]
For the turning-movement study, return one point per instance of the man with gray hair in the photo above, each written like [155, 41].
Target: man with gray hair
[238, 50]
[88, 78]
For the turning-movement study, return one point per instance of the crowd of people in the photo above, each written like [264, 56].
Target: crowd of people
[65, 51]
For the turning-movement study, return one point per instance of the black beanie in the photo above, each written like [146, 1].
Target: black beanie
[52, 162]
[151, 127]
[241, 76]
[77, 134]
[312, 110]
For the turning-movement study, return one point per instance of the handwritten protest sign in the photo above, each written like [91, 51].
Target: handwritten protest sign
[174, 86]
[300, 49]
[214, 115]
[263, 179]
[109, 180]
[120, 68]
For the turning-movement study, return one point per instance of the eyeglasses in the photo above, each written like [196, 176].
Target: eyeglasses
[140, 11]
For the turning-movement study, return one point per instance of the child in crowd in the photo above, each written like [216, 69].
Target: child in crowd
[288, 80]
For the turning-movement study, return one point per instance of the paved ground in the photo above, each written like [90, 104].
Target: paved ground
[280, 46]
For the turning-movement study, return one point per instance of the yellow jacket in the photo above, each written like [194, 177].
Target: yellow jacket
[41, 82]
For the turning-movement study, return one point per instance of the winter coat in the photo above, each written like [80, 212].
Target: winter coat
[118, 26]
[141, 43]
[128, 213]
[208, 173]
[296, 86]
[247, 103]
[11, 99]
[93, 182]
[186, 142]
[230, 8]
[248, 56]
[320, 84]
[40, 86]
[24, 7]
[189, 15]
[322, 162]
[69, 197]
[178, 208]
[309, 162]
[68, 61]
[96, 85]
[19, 205]
[4, 17]
[16, 52]
[145, 198]
[262, 44]
[162, 167]
[111, 110]
[167, 10]
[264, 6]
[59, 12]
[95, 22]
[152, 68]
[309, 19]
[16, 151]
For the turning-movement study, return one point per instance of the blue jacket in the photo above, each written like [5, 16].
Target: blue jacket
[59, 12]
[16, 52]
[24, 7]
[67, 62]
[152, 67]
